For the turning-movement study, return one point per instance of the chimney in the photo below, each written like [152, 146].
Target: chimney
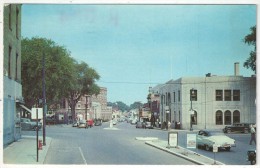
[236, 68]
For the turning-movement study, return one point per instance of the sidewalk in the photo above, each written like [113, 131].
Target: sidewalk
[181, 152]
[24, 151]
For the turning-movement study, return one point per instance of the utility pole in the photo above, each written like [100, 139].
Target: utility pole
[44, 98]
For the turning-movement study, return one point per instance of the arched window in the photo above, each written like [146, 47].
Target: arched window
[219, 118]
[227, 117]
[236, 117]
[194, 118]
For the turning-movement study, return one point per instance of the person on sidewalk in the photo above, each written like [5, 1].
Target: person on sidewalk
[252, 131]
[169, 125]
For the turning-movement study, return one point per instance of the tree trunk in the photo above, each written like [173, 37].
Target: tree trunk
[73, 113]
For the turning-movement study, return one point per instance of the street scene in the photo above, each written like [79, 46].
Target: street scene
[119, 145]
[129, 84]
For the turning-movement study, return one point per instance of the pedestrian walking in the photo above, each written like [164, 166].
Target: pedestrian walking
[252, 131]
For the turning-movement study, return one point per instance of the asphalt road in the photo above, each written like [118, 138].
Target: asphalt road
[101, 146]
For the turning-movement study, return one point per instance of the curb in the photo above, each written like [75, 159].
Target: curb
[182, 155]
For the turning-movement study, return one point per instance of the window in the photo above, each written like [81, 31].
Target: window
[17, 23]
[10, 17]
[219, 95]
[9, 61]
[227, 95]
[193, 95]
[169, 99]
[236, 117]
[179, 95]
[236, 95]
[16, 67]
[173, 96]
[219, 120]
[227, 118]
[194, 118]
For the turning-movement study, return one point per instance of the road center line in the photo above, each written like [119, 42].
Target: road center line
[85, 162]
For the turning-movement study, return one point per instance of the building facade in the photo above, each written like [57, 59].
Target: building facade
[209, 102]
[91, 107]
[12, 74]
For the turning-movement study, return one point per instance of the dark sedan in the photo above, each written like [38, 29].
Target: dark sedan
[238, 127]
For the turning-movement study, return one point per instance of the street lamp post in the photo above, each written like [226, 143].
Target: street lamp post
[191, 109]
[150, 106]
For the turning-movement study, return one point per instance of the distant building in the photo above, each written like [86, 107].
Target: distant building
[209, 102]
[12, 74]
[104, 113]
[91, 107]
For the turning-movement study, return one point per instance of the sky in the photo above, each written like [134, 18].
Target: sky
[133, 47]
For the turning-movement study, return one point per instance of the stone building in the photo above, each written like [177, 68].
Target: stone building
[12, 73]
[209, 102]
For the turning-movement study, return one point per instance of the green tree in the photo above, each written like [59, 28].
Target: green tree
[250, 39]
[136, 105]
[84, 83]
[58, 67]
[119, 105]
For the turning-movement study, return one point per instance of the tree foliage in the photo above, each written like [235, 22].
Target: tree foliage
[250, 39]
[58, 67]
[136, 105]
[65, 77]
[84, 83]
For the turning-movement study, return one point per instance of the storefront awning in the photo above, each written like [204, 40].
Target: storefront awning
[26, 108]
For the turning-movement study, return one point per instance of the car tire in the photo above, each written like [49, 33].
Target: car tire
[253, 162]
[35, 128]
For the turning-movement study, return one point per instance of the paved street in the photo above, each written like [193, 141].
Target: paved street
[99, 145]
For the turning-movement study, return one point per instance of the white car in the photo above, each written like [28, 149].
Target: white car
[207, 139]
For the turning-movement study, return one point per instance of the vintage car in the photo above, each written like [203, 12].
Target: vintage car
[238, 127]
[28, 124]
[83, 124]
[206, 139]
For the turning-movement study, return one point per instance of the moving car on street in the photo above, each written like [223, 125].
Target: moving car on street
[206, 139]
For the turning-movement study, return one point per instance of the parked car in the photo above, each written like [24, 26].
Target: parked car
[148, 125]
[75, 124]
[238, 127]
[134, 121]
[50, 121]
[27, 124]
[83, 124]
[140, 124]
[90, 123]
[98, 123]
[207, 139]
